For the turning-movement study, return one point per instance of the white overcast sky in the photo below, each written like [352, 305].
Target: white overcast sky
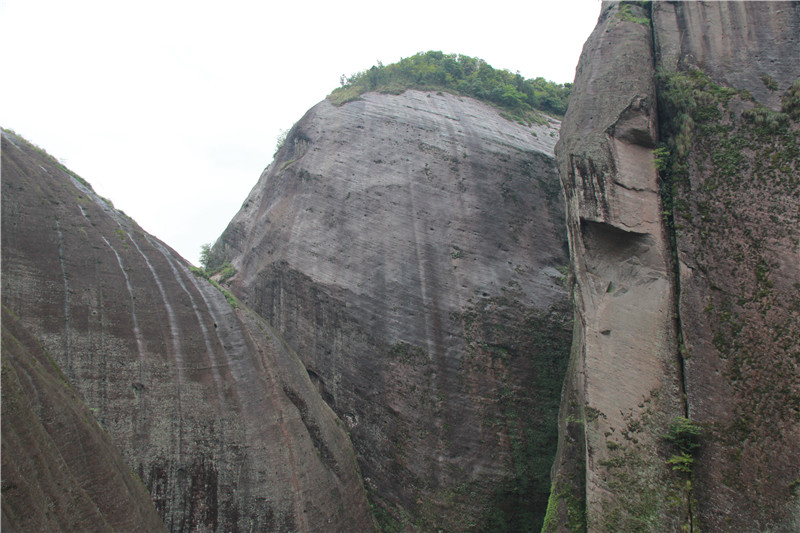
[171, 108]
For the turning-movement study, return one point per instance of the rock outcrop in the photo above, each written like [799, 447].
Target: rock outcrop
[208, 405]
[625, 385]
[411, 249]
[678, 159]
[61, 471]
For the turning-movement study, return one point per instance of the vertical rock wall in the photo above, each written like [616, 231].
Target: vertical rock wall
[728, 73]
[625, 384]
[685, 279]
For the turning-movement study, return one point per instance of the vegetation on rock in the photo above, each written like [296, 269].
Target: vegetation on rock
[216, 273]
[463, 75]
[730, 194]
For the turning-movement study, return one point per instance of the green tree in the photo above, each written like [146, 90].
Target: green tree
[205, 256]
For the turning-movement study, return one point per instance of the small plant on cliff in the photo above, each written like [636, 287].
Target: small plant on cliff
[790, 103]
[685, 435]
[626, 12]
[215, 275]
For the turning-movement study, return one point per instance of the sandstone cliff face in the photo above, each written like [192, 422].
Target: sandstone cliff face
[207, 404]
[407, 247]
[61, 471]
[625, 385]
[734, 176]
[685, 283]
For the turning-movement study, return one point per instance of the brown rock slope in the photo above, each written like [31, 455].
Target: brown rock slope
[408, 247]
[207, 404]
[61, 471]
[678, 158]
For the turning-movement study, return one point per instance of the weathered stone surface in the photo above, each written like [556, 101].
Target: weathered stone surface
[737, 214]
[698, 274]
[61, 471]
[625, 382]
[407, 247]
[206, 402]
[737, 239]
[736, 43]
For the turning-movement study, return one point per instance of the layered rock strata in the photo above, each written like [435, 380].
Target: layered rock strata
[678, 158]
[212, 410]
[411, 248]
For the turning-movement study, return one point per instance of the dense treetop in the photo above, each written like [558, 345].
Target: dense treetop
[461, 75]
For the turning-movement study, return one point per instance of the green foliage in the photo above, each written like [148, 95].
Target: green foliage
[205, 256]
[769, 82]
[215, 275]
[626, 13]
[766, 120]
[661, 158]
[461, 75]
[685, 435]
[225, 272]
[281, 140]
[682, 462]
[790, 103]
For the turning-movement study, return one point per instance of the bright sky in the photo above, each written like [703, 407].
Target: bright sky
[171, 108]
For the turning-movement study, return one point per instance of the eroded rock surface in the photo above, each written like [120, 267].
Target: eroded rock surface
[736, 219]
[625, 384]
[686, 282]
[207, 404]
[61, 471]
[411, 249]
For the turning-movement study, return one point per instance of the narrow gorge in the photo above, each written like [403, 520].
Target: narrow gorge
[446, 305]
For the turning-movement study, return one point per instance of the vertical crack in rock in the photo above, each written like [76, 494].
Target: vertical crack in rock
[726, 73]
[625, 386]
[703, 260]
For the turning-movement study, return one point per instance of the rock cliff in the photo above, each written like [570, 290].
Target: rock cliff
[411, 249]
[61, 471]
[678, 158]
[205, 401]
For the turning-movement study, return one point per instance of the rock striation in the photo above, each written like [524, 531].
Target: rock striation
[206, 402]
[61, 471]
[411, 249]
[678, 158]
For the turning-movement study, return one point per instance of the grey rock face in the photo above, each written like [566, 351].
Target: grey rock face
[408, 248]
[207, 404]
[736, 43]
[61, 471]
[685, 282]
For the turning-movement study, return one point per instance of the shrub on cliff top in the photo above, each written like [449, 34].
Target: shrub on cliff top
[459, 74]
